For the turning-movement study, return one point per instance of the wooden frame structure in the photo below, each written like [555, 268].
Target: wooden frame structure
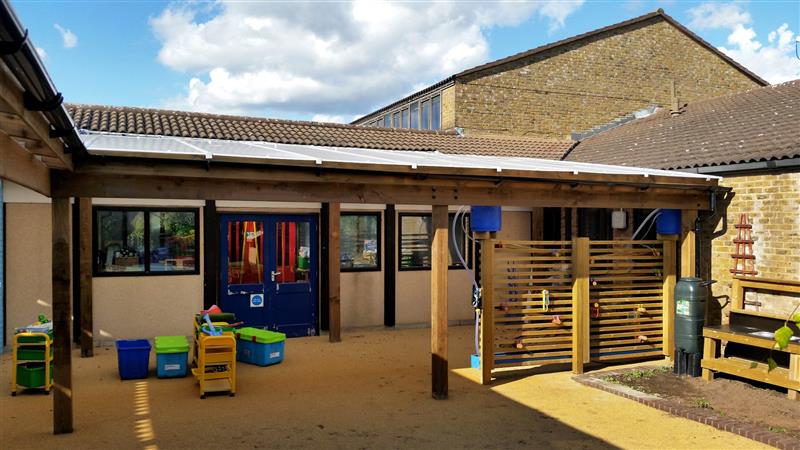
[560, 302]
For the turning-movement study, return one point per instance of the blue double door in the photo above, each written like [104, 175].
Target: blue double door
[268, 271]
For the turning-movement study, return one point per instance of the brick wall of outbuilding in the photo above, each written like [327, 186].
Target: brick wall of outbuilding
[590, 83]
[772, 201]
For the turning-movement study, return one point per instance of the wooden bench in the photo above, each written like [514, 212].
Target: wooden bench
[749, 338]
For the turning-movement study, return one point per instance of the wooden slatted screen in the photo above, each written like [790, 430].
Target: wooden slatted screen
[626, 299]
[527, 331]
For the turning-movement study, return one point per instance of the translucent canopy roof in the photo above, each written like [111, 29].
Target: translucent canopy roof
[250, 152]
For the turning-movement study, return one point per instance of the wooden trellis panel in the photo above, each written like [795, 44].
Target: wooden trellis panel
[626, 303]
[532, 303]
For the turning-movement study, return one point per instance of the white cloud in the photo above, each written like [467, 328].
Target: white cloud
[718, 15]
[69, 39]
[328, 118]
[336, 59]
[42, 54]
[774, 60]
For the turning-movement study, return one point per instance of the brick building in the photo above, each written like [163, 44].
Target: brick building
[573, 85]
[751, 139]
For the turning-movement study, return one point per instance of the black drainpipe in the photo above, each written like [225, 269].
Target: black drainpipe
[698, 228]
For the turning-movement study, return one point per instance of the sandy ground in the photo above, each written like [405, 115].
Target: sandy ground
[370, 391]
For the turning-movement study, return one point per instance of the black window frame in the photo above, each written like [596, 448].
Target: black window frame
[96, 272]
[399, 240]
[378, 257]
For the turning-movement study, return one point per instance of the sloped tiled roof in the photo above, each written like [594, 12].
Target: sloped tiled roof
[761, 124]
[126, 120]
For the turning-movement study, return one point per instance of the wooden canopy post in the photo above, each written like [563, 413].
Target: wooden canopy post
[62, 342]
[439, 263]
[486, 241]
[334, 313]
[668, 294]
[85, 280]
[580, 303]
[688, 245]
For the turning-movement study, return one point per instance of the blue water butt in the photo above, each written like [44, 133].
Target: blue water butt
[486, 218]
[669, 221]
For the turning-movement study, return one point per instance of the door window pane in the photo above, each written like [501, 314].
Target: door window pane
[172, 241]
[245, 252]
[436, 113]
[120, 241]
[359, 242]
[425, 116]
[405, 118]
[415, 115]
[293, 252]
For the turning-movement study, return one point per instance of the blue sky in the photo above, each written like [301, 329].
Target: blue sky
[334, 61]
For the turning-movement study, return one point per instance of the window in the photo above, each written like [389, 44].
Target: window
[132, 241]
[405, 118]
[415, 115]
[396, 120]
[416, 233]
[425, 116]
[387, 120]
[436, 113]
[360, 243]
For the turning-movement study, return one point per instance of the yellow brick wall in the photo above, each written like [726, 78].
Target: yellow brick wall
[582, 85]
[773, 203]
[449, 108]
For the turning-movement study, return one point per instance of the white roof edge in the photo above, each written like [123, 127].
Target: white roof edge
[137, 145]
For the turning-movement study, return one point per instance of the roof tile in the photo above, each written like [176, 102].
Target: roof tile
[756, 125]
[129, 120]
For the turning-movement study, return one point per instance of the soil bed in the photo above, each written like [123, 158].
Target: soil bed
[738, 400]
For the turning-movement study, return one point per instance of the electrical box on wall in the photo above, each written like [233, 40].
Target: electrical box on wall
[619, 220]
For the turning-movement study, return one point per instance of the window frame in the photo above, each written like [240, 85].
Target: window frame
[398, 238]
[96, 272]
[379, 257]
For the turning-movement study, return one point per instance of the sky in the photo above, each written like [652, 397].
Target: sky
[334, 61]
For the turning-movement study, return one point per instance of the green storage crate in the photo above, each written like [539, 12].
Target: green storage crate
[171, 344]
[31, 375]
[32, 353]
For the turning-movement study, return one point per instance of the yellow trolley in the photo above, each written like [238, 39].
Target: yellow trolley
[216, 360]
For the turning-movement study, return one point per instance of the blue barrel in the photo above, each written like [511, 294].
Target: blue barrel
[486, 218]
[669, 221]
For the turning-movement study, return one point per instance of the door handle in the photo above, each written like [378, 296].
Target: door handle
[230, 292]
[274, 274]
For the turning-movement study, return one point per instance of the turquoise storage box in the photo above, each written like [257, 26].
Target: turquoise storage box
[172, 353]
[259, 347]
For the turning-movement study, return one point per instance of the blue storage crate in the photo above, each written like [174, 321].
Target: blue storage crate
[259, 347]
[259, 354]
[171, 365]
[133, 358]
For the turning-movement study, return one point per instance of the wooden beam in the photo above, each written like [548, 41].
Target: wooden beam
[389, 266]
[35, 121]
[439, 264]
[210, 251]
[86, 252]
[17, 129]
[580, 303]
[668, 297]
[688, 244]
[359, 191]
[62, 311]
[21, 167]
[537, 224]
[487, 306]
[334, 312]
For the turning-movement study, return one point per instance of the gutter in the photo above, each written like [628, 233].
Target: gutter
[745, 167]
[39, 92]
